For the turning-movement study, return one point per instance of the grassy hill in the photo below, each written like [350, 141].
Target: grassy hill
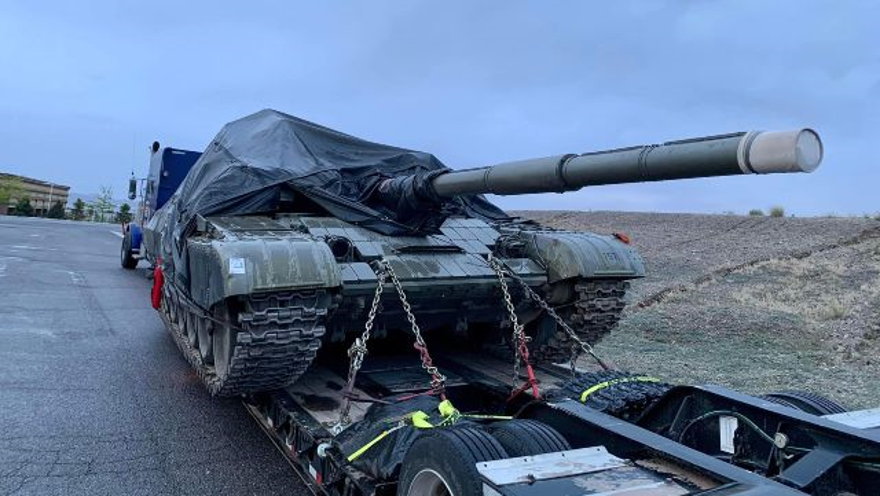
[754, 303]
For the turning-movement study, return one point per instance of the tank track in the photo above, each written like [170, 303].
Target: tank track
[593, 314]
[278, 338]
[621, 397]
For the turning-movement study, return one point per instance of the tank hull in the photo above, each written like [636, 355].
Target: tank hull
[237, 263]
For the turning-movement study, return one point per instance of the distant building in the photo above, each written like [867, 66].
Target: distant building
[42, 194]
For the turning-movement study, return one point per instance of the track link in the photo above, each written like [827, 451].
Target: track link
[595, 311]
[277, 336]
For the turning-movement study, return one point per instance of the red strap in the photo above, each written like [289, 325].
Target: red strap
[532, 380]
[156, 292]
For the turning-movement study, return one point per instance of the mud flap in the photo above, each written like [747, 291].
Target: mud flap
[158, 281]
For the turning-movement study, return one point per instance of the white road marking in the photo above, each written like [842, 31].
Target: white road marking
[117, 233]
[77, 278]
[29, 247]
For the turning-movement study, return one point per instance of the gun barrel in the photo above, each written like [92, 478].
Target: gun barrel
[753, 152]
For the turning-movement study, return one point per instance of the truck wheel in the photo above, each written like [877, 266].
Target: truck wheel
[127, 259]
[806, 402]
[522, 437]
[443, 462]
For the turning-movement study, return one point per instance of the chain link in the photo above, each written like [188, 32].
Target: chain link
[519, 336]
[579, 346]
[358, 349]
[438, 380]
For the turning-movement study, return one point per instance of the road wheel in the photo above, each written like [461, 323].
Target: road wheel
[127, 259]
[443, 461]
[806, 402]
[188, 321]
[174, 308]
[223, 342]
[522, 437]
[206, 344]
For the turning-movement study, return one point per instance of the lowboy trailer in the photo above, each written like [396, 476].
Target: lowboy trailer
[634, 436]
[258, 250]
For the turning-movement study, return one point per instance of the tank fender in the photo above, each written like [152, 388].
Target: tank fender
[220, 269]
[567, 255]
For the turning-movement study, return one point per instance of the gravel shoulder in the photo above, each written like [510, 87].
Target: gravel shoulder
[754, 303]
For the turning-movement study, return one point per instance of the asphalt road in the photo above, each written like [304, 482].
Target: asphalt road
[94, 396]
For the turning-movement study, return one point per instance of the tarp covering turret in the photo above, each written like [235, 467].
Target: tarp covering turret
[259, 162]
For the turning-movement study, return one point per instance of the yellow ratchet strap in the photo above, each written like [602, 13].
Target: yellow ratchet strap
[418, 419]
[486, 417]
[421, 420]
[450, 412]
[363, 449]
[602, 385]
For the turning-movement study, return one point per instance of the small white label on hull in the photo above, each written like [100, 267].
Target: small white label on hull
[236, 266]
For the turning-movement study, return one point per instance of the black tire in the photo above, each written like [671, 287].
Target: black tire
[621, 394]
[127, 259]
[522, 437]
[806, 402]
[447, 457]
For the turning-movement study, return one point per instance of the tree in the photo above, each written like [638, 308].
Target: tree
[79, 209]
[123, 216]
[56, 211]
[10, 189]
[104, 204]
[24, 208]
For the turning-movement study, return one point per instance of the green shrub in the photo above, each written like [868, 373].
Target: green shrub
[23, 208]
[777, 211]
[756, 212]
[56, 211]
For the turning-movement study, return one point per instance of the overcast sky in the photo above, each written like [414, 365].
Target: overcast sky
[86, 86]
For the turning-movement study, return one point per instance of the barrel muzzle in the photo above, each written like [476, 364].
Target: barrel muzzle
[766, 152]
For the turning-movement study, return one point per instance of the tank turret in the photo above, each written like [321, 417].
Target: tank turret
[753, 152]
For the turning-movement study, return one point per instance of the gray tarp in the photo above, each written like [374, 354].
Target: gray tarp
[261, 160]
[270, 161]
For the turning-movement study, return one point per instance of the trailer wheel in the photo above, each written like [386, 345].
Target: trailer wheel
[522, 437]
[126, 257]
[442, 462]
[806, 402]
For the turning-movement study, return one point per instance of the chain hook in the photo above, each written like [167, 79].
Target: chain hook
[521, 348]
[358, 350]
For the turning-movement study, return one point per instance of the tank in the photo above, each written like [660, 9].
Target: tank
[268, 251]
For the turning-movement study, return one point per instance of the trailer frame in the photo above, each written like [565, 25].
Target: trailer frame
[307, 443]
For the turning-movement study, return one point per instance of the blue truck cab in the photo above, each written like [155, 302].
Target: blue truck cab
[168, 168]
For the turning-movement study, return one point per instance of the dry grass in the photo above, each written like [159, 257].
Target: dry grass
[758, 304]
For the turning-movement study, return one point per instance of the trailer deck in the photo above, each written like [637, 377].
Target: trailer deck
[608, 455]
